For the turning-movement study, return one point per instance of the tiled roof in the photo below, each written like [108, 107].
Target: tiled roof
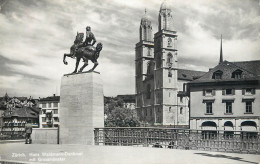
[50, 98]
[25, 112]
[251, 66]
[189, 75]
[227, 68]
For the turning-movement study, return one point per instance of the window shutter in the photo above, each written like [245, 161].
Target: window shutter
[204, 92]
[243, 91]
[223, 91]
[253, 91]
[233, 91]
[213, 92]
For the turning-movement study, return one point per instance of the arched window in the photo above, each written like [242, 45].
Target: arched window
[209, 123]
[148, 91]
[181, 110]
[169, 60]
[248, 123]
[169, 42]
[149, 68]
[228, 123]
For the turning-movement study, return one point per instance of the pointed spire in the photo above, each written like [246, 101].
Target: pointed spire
[221, 53]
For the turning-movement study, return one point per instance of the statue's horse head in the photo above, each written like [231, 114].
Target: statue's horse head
[99, 47]
[79, 38]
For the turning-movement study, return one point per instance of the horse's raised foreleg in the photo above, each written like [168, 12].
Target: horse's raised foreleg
[64, 58]
[85, 64]
[95, 65]
[77, 64]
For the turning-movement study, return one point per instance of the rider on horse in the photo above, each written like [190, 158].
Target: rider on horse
[89, 38]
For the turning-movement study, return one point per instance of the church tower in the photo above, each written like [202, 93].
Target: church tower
[165, 73]
[143, 62]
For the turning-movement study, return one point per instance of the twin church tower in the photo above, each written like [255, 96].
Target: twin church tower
[157, 83]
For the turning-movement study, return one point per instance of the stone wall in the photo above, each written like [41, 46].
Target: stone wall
[45, 136]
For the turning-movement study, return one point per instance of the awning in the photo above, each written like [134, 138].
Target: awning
[248, 128]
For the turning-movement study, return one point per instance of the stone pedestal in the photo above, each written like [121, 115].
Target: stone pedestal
[81, 107]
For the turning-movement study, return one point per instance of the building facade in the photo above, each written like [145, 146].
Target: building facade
[160, 84]
[227, 98]
[49, 115]
[17, 112]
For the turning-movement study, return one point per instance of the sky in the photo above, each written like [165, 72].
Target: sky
[34, 35]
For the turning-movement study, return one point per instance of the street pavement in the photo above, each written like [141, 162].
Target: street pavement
[87, 154]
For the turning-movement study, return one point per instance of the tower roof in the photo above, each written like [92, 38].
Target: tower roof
[145, 19]
[164, 6]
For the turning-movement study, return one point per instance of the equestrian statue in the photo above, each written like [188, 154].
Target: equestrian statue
[84, 50]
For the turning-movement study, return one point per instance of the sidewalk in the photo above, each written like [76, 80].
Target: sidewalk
[116, 155]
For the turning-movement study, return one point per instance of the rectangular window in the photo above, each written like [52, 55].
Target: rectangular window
[248, 91]
[55, 111]
[49, 105]
[208, 92]
[248, 106]
[228, 107]
[55, 104]
[228, 91]
[43, 105]
[209, 107]
[43, 119]
[56, 119]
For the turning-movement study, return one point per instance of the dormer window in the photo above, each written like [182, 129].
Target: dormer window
[217, 75]
[237, 74]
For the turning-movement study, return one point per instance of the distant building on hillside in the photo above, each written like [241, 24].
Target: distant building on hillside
[49, 114]
[16, 112]
[129, 100]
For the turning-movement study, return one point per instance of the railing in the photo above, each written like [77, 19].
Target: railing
[224, 141]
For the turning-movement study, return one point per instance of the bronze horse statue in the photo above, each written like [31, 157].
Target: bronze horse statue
[86, 53]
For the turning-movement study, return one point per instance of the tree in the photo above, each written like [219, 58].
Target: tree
[118, 116]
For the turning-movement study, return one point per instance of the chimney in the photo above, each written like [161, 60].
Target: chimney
[53, 95]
